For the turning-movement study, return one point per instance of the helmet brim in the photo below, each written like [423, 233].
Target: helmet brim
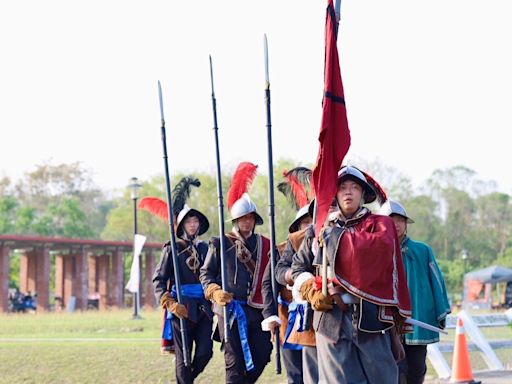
[204, 224]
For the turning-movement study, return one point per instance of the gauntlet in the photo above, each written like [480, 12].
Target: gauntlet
[214, 292]
[315, 297]
[320, 302]
[168, 303]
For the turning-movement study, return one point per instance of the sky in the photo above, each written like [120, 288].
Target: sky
[427, 84]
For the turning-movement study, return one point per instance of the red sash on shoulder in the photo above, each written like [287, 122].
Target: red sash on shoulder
[255, 298]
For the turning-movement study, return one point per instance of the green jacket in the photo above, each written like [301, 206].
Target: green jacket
[429, 300]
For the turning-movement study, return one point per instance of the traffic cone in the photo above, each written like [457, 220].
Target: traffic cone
[461, 365]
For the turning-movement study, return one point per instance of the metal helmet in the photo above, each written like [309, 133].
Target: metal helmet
[352, 173]
[244, 206]
[306, 210]
[392, 207]
[204, 224]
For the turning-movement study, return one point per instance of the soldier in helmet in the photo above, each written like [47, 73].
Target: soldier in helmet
[293, 335]
[428, 295]
[367, 295]
[248, 348]
[190, 223]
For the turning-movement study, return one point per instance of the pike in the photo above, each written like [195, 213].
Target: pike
[220, 206]
[421, 324]
[271, 205]
[177, 280]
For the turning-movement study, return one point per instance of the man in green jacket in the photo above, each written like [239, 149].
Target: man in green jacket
[428, 295]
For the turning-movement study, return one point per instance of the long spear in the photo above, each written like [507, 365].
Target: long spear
[271, 203]
[177, 280]
[220, 206]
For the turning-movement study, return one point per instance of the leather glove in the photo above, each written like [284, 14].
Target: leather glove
[177, 309]
[315, 297]
[168, 303]
[222, 297]
[214, 292]
[307, 289]
[320, 302]
[165, 300]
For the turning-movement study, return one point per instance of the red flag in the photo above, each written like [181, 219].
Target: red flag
[334, 133]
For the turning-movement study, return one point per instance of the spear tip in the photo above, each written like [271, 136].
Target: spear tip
[265, 49]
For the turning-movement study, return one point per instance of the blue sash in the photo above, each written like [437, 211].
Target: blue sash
[194, 291]
[235, 308]
[294, 309]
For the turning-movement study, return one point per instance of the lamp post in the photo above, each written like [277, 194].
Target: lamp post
[465, 255]
[134, 187]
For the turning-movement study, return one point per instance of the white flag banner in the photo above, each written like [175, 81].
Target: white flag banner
[133, 283]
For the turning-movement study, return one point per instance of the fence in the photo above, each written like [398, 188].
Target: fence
[478, 340]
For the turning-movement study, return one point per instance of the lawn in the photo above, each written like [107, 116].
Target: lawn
[94, 347]
[111, 347]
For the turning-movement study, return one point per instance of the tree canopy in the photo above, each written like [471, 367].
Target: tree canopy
[453, 210]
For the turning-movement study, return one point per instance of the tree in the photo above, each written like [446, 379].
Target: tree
[493, 220]
[52, 201]
[119, 221]
[8, 205]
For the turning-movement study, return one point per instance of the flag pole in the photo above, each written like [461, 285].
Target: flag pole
[324, 270]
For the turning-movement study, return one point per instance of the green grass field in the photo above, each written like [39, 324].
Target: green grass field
[110, 347]
[94, 347]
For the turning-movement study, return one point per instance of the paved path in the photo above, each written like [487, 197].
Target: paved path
[486, 377]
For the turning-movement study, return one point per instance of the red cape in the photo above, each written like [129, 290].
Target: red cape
[369, 263]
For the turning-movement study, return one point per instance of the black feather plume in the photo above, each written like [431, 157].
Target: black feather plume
[286, 190]
[302, 174]
[295, 179]
[181, 192]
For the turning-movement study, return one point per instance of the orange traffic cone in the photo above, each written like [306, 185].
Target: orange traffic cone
[461, 365]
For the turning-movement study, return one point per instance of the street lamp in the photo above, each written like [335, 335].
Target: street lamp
[465, 255]
[134, 187]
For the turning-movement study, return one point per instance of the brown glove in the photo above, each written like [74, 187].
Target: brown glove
[165, 300]
[307, 289]
[214, 292]
[178, 310]
[320, 302]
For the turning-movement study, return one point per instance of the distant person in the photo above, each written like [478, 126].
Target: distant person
[289, 312]
[428, 295]
[190, 224]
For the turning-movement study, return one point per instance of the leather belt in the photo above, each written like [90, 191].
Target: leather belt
[342, 298]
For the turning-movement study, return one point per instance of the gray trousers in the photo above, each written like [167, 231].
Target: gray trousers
[358, 358]
[309, 365]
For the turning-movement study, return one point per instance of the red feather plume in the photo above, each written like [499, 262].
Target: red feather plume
[241, 181]
[298, 191]
[381, 194]
[155, 206]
